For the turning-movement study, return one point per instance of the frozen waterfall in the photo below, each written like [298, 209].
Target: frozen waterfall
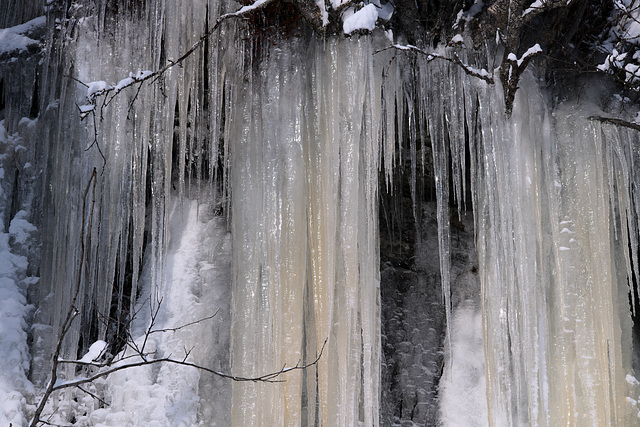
[232, 203]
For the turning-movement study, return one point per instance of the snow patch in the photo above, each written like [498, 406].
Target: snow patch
[15, 39]
[95, 351]
[364, 19]
[463, 384]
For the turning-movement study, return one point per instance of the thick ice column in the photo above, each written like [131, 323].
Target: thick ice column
[270, 243]
[555, 311]
[304, 219]
[343, 234]
[590, 324]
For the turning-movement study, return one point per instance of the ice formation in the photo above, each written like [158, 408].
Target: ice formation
[245, 180]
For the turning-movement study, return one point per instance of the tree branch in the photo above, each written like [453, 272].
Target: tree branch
[617, 122]
[110, 92]
[481, 74]
[72, 313]
[271, 377]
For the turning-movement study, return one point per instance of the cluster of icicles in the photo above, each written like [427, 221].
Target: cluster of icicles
[307, 124]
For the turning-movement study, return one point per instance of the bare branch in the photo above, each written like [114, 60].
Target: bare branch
[617, 122]
[72, 313]
[94, 396]
[510, 71]
[177, 328]
[272, 377]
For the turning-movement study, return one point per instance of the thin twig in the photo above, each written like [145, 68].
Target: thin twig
[94, 396]
[177, 328]
[72, 313]
[271, 377]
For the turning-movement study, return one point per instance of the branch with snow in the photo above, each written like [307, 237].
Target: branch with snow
[511, 69]
[271, 377]
[97, 89]
[72, 312]
[623, 46]
[135, 355]
[539, 6]
[479, 73]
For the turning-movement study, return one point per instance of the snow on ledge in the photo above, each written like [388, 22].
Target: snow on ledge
[364, 19]
[15, 38]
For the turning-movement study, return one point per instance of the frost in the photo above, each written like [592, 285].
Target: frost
[21, 229]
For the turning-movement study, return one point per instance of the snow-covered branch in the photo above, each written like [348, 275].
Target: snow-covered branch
[270, 377]
[481, 73]
[97, 89]
[539, 6]
[135, 355]
[510, 71]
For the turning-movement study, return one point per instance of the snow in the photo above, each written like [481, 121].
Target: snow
[20, 228]
[336, 4]
[246, 9]
[97, 88]
[16, 391]
[463, 386]
[84, 109]
[137, 77]
[533, 50]
[457, 39]
[95, 351]
[363, 19]
[535, 6]
[15, 39]
[479, 72]
[14, 310]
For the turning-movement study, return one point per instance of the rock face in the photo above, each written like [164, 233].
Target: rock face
[413, 314]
